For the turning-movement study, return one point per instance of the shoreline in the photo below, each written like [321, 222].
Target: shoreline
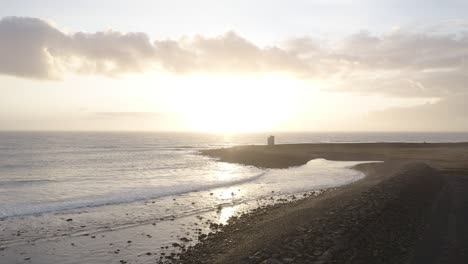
[378, 219]
[304, 228]
[441, 155]
[73, 233]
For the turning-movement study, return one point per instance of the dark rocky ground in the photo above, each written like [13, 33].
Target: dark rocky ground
[446, 236]
[413, 208]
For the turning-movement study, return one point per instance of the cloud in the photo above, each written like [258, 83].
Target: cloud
[33, 48]
[448, 114]
[406, 64]
[111, 51]
[25, 47]
[400, 63]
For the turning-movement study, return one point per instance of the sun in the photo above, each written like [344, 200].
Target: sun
[232, 104]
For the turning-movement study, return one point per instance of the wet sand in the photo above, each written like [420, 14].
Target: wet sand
[412, 208]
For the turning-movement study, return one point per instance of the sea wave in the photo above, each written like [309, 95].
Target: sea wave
[134, 195]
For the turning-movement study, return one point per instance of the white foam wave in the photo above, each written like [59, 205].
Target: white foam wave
[133, 195]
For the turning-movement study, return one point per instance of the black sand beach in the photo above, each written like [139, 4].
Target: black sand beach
[412, 208]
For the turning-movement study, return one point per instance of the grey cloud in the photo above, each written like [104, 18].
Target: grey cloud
[226, 53]
[24, 47]
[450, 113]
[406, 64]
[32, 48]
[35, 49]
[400, 63]
[405, 50]
[127, 52]
[173, 57]
[432, 82]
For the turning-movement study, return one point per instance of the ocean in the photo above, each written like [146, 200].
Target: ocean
[76, 184]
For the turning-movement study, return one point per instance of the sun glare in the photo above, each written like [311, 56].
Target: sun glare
[230, 104]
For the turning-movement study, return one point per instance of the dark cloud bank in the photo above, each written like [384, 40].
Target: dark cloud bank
[400, 63]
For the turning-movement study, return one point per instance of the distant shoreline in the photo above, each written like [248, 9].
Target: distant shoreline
[379, 219]
[287, 155]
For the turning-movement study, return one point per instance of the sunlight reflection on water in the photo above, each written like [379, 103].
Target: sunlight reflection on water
[226, 213]
[227, 171]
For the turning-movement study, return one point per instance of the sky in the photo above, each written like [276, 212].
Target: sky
[234, 66]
